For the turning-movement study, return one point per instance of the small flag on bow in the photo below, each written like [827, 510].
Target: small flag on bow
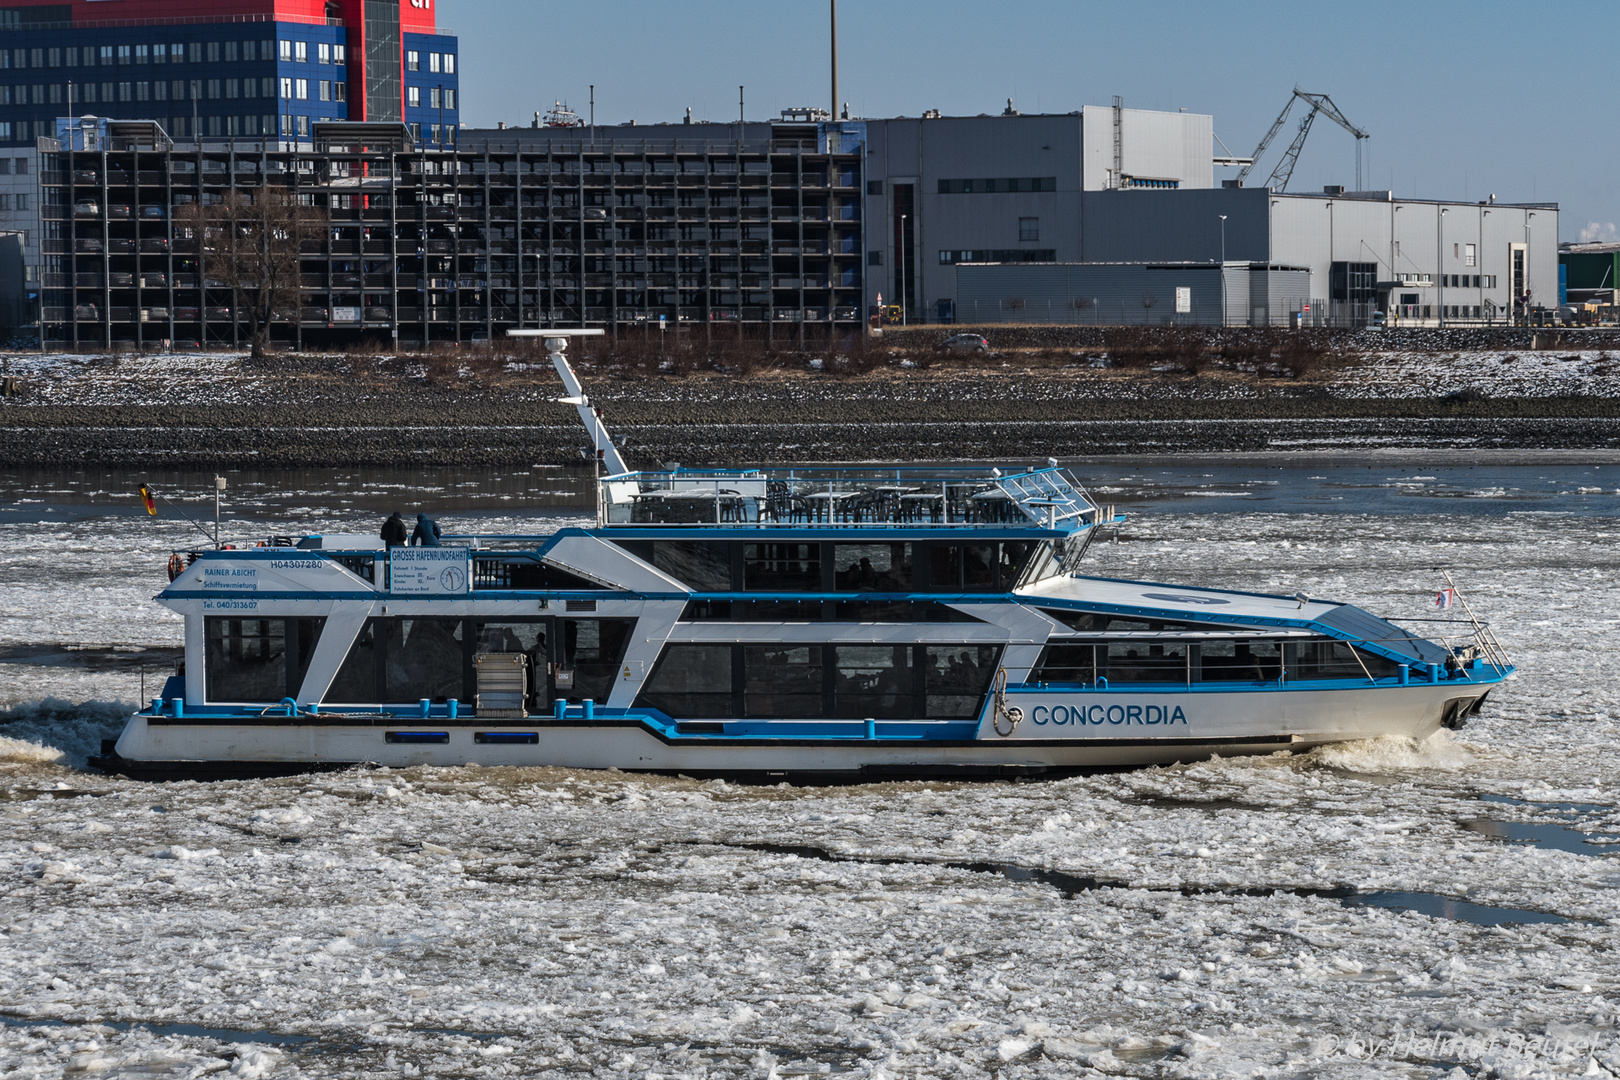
[147, 500]
[1445, 598]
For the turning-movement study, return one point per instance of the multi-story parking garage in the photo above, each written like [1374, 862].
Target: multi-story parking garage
[525, 228]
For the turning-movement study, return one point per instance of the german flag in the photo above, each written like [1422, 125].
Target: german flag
[147, 500]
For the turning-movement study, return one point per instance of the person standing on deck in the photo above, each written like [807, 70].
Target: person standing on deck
[427, 532]
[393, 531]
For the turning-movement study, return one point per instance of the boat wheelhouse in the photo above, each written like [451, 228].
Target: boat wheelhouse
[832, 623]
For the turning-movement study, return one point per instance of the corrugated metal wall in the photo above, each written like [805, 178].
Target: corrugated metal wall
[1128, 294]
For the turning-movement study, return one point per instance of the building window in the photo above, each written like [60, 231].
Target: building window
[250, 88]
[874, 257]
[53, 57]
[72, 57]
[5, 130]
[56, 93]
[233, 125]
[449, 63]
[250, 51]
[177, 90]
[267, 87]
[176, 51]
[37, 56]
[998, 186]
[413, 60]
[303, 125]
[87, 91]
[232, 87]
[160, 91]
[213, 126]
[433, 62]
[301, 52]
[1469, 255]
[323, 53]
[143, 91]
[106, 56]
[286, 89]
[340, 91]
[22, 197]
[301, 89]
[233, 51]
[339, 54]
[193, 52]
[449, 98]
[286, 50]
[1029, 228]
[39, 93]
[326, 90]
[434, 100]
[413, 96]
[213, 89]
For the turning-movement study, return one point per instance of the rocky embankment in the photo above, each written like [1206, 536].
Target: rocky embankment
[213, 410]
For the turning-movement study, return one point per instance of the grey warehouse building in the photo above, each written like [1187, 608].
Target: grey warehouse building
[1125, 294]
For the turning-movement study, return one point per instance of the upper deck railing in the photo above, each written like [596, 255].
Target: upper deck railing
[865, 498]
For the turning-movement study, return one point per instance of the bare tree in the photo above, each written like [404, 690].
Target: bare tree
[251, 241]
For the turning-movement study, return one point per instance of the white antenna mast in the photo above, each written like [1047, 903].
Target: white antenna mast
[606, 454]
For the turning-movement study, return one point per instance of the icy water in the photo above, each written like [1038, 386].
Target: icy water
[1379, 909]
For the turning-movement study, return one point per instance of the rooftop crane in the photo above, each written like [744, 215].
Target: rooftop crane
[1319, 103]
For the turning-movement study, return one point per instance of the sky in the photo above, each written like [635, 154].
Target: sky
[1462, 100]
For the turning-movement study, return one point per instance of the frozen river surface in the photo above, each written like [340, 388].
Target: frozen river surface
[1187, 921]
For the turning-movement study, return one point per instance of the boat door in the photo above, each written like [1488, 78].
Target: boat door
[535, 639]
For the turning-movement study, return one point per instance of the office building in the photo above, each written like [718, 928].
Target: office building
[225, 69]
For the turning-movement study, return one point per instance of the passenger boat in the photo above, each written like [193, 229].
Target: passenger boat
[799, 624]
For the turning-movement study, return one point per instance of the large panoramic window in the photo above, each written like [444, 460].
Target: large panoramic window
[879, 567]
[782, 567]
[402, 660]
[257, 660]
[690, 681]
[782, 681]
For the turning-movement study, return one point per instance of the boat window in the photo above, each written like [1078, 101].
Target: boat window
[1336, 660]
[1066, 662]
[704, 565]
[690, 682]
[894, 611]
[782, 681]
[977, 567]
[424, 659]
[356, 682]
[1094, 622]
[1146, 661]
[872, 567]
[258, 659]
[956, 678]
[592, 649]
[873, 681]
[395, 660]
[1240, 661]
[792, 681]
[527, 574]
[782, 567]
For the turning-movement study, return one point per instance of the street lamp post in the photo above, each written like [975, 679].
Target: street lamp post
[1440, 264]
[1223, 270]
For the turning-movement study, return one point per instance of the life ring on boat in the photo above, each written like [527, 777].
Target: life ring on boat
[177, 566]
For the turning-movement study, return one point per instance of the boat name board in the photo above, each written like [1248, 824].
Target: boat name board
[1062, 715]
[427, 571]
[231, 578]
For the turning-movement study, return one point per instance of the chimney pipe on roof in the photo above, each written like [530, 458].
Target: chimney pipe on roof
[834, 109]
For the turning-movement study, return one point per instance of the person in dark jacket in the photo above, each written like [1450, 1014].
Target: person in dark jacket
[393, 531]
[427, 532]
